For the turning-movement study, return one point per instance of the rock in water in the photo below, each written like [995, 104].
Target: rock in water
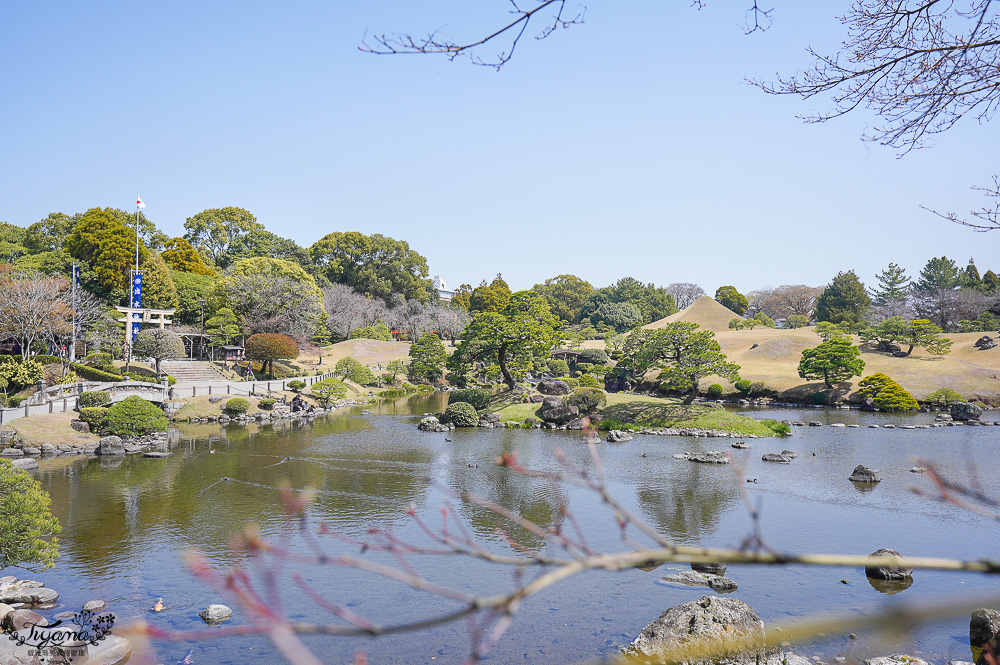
[776, 457]
[885, 571]
[897, 659]
[110, 445]
[984, 635]
[693, 578]
[553, 387]
[862, 474]
[618, 436]
[710, 568]
[213, 615]
[965, 411]
[709, 457]
[708, 623]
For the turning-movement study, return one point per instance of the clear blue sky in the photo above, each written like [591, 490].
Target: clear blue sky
[628, 145]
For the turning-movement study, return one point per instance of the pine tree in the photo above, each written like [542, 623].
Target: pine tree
[893, 285]
[844, 300]
[969, 278]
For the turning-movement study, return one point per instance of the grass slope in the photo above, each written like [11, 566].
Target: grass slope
[50, 428]
[705, 311]
[968, 370]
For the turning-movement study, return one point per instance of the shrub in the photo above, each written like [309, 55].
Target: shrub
[92, 374]
[94, 398]
[759, 389]
[588, 381]
[819, 397]
[327, 390]
[69, 378]
[715, 391]
[462, 414]
[93, 416]
[101, 361]
[479, 398]
[586, 368]
[134, 416]
[943, 397]
[587, 400]
[46, 359]
[887, 394]
[743, 385]
[266, 403]
[237, 405]
[617, 354]
[559, 367]
[571, 382]
[296, 385]
[594, 356]
[362, 376]
[776, 426]
[17, 376]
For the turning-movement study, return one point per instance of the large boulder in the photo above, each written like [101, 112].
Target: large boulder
[709, 457]
[885, 571]
[428, 424]
[536, 399]
[709, 623]
[984, 635]
[888, 347]
[618, 436]
[551, 402]
[110, 445]
[862, 474]
[985, 342]
[553, 387]
[561, 415]
[965, 411]
[30, 592]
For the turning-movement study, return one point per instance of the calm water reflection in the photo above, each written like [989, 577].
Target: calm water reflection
[127, 523]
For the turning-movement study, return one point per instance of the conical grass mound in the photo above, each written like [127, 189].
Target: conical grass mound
[705, 311]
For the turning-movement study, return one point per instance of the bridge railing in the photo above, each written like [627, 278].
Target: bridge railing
[63, 397]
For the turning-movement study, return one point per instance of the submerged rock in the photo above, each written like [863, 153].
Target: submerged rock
[709, 457]
[776, 457]
[694, 578]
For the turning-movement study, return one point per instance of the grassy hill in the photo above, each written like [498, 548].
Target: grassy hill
[772, 356]
[968, 370]
[705, 311]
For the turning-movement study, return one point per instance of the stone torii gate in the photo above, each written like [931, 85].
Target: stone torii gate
[146, 315]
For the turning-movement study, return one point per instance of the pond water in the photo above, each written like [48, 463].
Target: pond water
[128, 522]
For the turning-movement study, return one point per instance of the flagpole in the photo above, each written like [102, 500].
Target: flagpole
[137, 199]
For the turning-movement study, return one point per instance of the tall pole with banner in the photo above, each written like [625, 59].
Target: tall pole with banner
[135, 291]
[75, 286]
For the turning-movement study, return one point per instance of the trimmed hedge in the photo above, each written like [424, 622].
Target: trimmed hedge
[570, 381]
[559, 367]
[588, 381]
[93, 374]
[93, 416]
[296, 385]
[479, 398]
[94, 398]
[237, 405]
[943, 397]
[134, 416]
[593, 356]
[462, 414]
[587, 400]
[715, 391]
[888, 395]
[266, 403]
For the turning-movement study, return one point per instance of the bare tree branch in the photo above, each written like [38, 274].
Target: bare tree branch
[514, 30]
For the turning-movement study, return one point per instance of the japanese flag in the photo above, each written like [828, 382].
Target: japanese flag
[138, 202]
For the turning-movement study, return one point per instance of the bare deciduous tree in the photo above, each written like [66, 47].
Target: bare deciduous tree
[33, 307]
[685, 293]
[347, 310]
[268, 304]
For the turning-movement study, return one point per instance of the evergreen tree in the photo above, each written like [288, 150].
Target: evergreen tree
[833, 361]
[844, 300]
[990, 283]
[730, 298]
[490, 298]
[969, 278]
[25, 521]
[893, 285]
[427, 358]
[158, 288]
[939, 273]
